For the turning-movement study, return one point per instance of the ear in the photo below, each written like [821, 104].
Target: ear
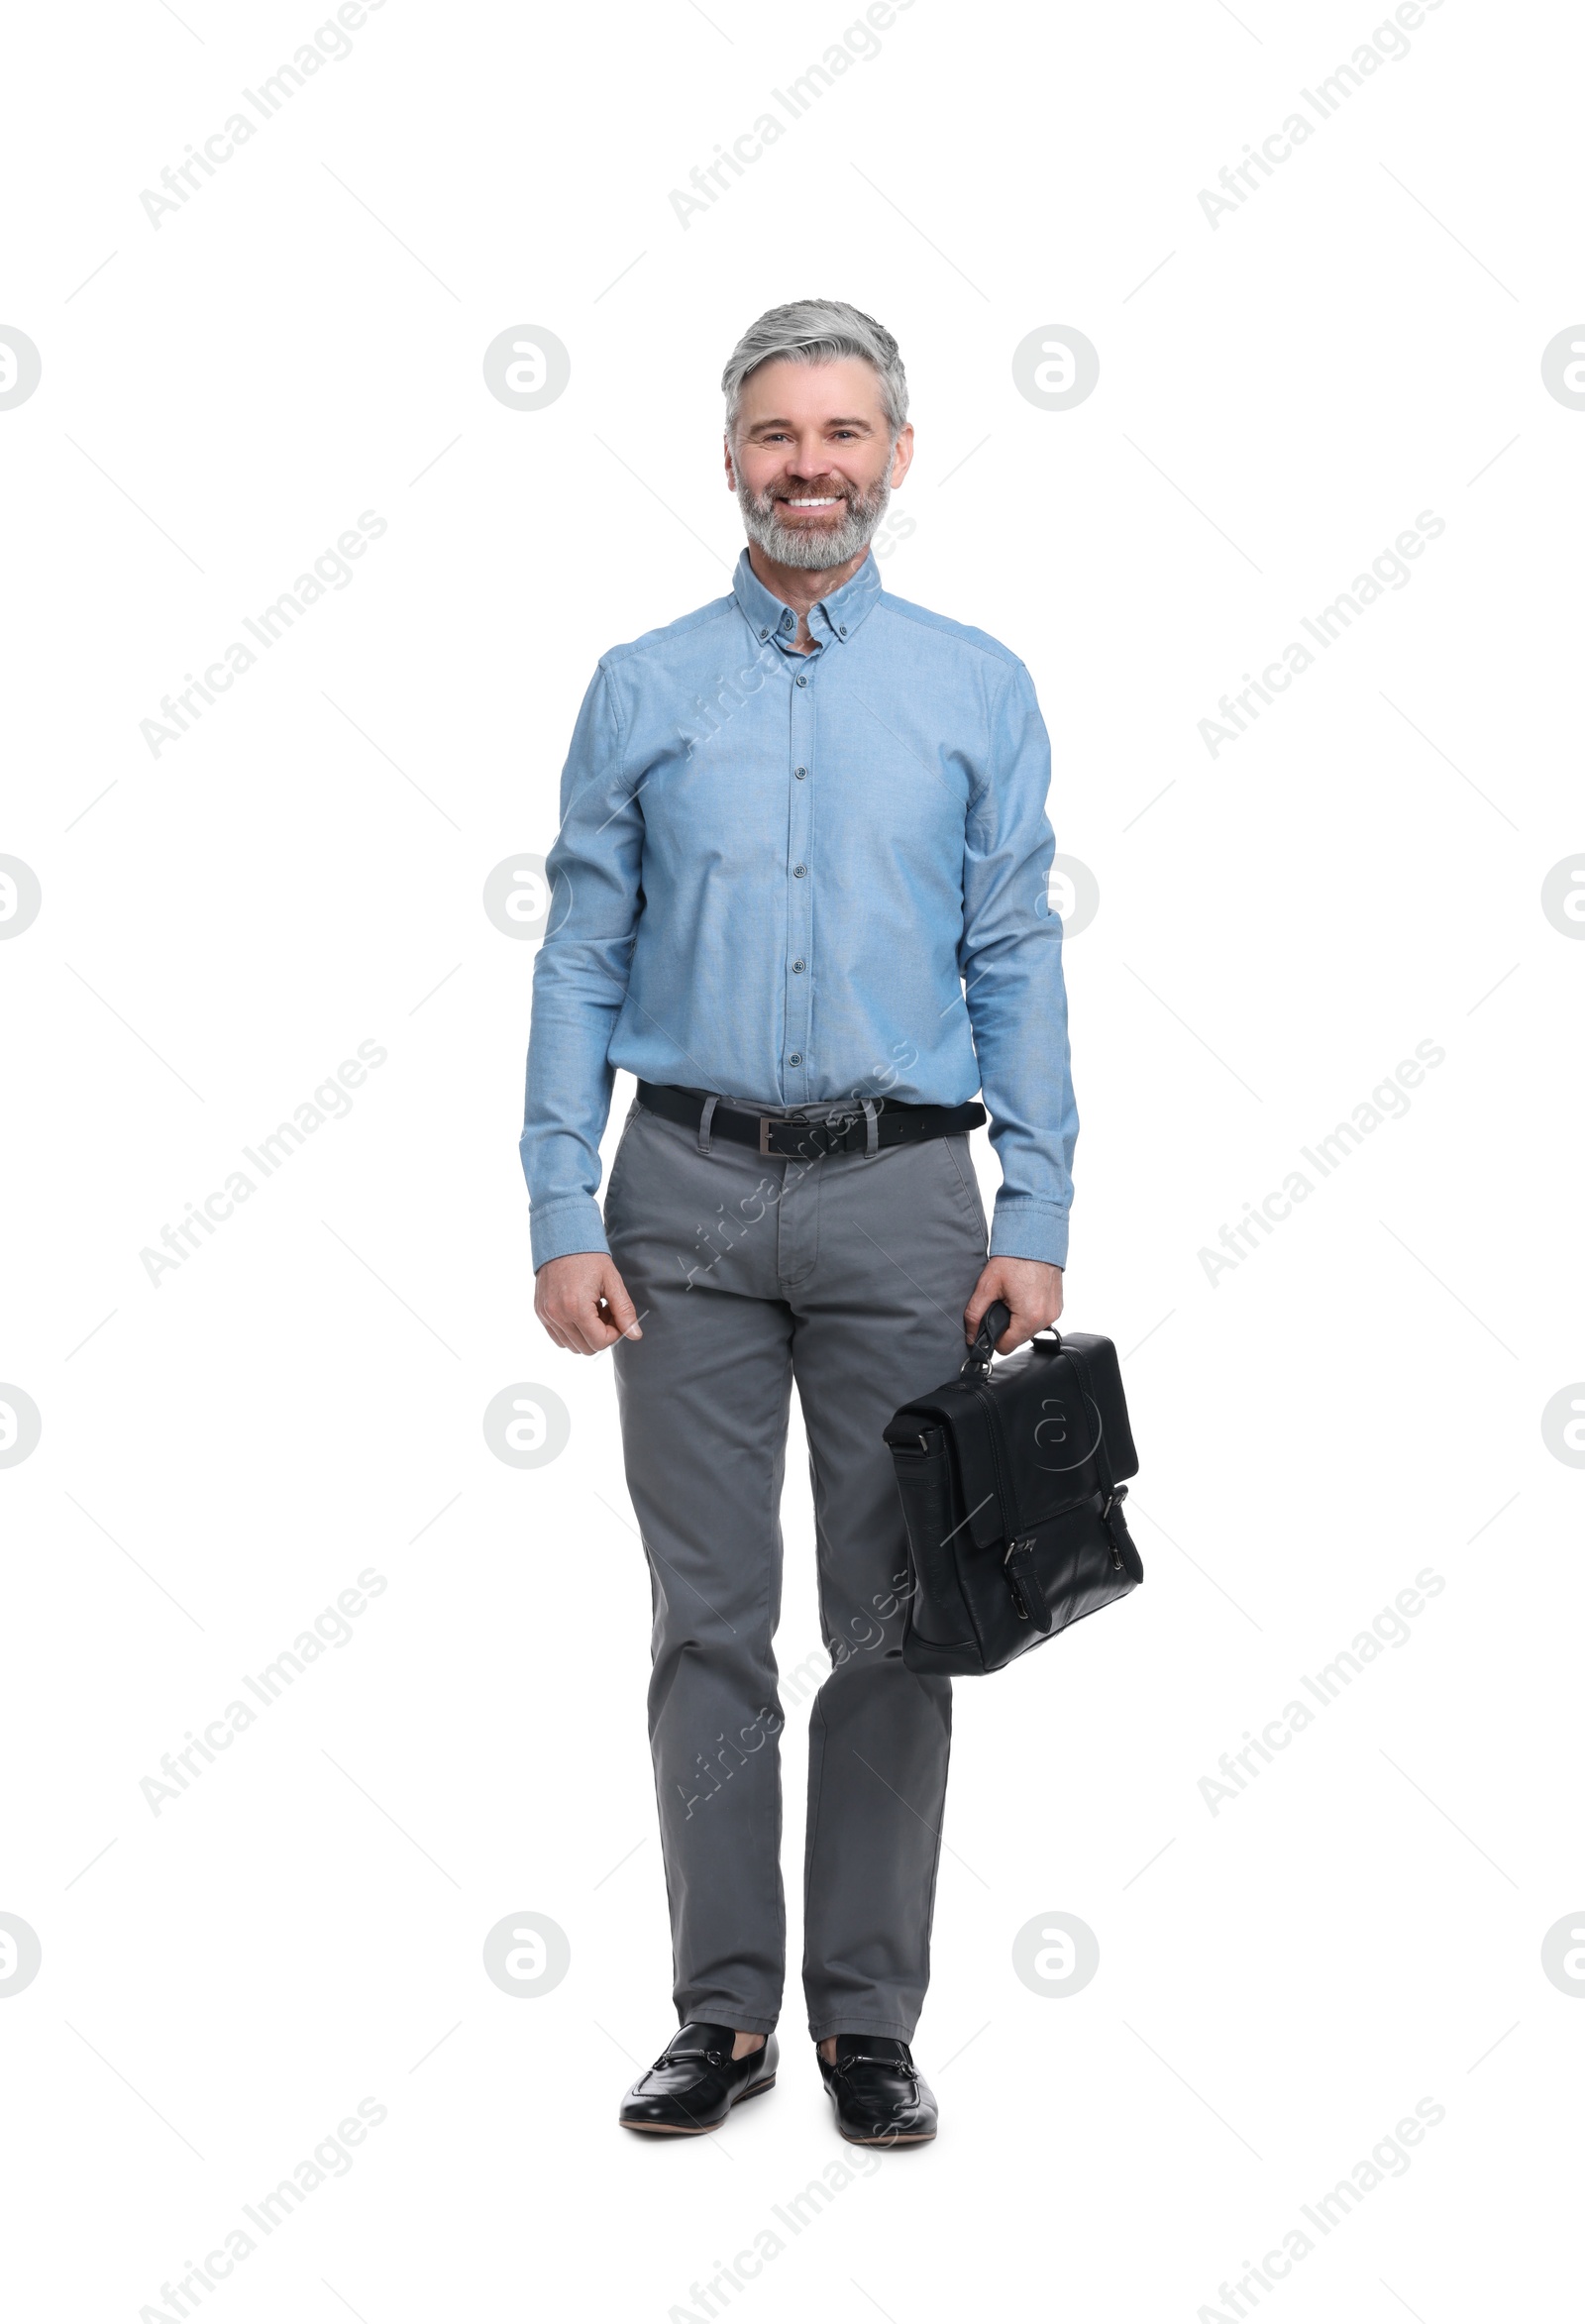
[902, 456]
[731, 472]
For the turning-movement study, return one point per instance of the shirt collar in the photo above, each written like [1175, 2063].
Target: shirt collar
[835, 618]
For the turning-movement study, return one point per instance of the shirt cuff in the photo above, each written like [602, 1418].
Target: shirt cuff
[1022, 1228]
[557, 1229]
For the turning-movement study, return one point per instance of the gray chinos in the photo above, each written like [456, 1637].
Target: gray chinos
[848, 1274]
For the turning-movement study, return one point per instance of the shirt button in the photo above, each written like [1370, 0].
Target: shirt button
[797, 871]
[796, 1057]
[765, 633]
[842, 630]
[800, 681]
[797, 968]
[799, 772]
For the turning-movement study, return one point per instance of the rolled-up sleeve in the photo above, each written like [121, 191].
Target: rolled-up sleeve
[593, 873]
[1010, 960]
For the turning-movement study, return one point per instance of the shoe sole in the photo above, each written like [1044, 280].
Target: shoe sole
[893, 2139]
[701, 2130]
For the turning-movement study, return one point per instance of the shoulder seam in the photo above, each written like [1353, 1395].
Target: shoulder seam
[722, 609]
[1002, 656]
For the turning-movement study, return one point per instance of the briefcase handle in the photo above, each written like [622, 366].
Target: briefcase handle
[995, 1321]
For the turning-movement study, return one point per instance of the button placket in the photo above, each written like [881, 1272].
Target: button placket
[798, 982]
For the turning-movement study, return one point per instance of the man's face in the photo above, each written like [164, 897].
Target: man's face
[813, 463]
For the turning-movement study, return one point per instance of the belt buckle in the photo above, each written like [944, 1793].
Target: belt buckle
[770, 1121]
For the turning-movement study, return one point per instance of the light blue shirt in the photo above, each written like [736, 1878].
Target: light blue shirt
[790, 876]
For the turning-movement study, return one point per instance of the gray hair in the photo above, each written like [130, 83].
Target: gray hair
[818, 331]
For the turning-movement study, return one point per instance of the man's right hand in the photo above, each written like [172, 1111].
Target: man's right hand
[582, 1303]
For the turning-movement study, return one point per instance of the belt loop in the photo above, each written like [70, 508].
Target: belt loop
[704, 1125]
[872, 1136]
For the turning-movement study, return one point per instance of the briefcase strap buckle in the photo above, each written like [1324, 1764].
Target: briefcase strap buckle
[1116, 1494]
[1025, 1583]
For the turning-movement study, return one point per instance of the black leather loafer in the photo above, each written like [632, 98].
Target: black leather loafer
[696, 2083]
[880, 2097]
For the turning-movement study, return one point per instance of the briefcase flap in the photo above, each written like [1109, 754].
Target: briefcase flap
[1062, 1425]
[1045, 1432]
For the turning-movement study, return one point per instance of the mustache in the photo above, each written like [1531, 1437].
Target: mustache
[820, 490]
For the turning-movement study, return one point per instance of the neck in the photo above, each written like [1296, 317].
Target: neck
[797, 584]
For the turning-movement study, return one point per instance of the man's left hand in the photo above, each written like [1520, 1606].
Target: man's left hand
[1030, 1288]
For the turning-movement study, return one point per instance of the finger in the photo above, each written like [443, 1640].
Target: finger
[1021, 1325]
[598, 1328]
[560, 1326]
[566, 1327]
[970, 1318]
[590, 1333]
[620, 1311]
[979, 1306]
[596, 1325]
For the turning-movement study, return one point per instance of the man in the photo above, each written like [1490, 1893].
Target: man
[801, 892]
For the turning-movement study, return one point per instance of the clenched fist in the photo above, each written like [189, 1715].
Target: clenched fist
[582, 1302]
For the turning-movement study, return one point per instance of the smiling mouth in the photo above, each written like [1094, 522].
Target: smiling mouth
[831, 501]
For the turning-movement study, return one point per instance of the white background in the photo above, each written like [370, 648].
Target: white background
[221, 1455]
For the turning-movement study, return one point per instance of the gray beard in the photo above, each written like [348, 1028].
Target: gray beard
[802, 547]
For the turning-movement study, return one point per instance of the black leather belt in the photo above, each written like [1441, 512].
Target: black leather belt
[847, 1132]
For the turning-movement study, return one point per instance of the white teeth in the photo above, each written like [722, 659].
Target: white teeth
[831, 503]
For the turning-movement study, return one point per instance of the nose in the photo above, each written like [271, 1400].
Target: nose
[807, 459]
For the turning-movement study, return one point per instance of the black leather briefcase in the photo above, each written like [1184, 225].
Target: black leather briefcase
[1009, 1479]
